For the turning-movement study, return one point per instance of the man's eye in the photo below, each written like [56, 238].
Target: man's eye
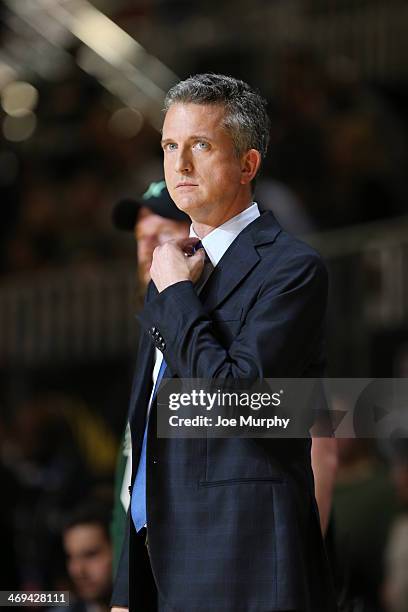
[201, 145]
[170, 146]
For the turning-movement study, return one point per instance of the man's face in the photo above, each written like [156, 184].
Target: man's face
[89, 561]
[151, 231]
[202, 171]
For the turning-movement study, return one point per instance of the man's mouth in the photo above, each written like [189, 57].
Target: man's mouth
[183, 185]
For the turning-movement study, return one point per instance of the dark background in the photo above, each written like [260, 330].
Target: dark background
[81, 95]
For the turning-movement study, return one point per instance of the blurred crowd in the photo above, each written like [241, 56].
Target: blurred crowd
[54, 454]
[337, 158]
[56, 515]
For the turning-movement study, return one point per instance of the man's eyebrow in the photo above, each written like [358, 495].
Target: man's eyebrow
[199, 137]
[193, 137]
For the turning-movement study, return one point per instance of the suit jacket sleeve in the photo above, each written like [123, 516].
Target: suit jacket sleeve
[282, 324]
[120, 594]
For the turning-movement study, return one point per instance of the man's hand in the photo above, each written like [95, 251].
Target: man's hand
[116, 609]
[173, 262]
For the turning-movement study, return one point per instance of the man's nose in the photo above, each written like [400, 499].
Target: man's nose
[77, 569]
[183, 162]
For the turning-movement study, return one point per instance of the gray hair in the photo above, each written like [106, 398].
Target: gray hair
[245, 109]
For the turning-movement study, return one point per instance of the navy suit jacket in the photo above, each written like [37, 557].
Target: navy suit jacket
[233, 523]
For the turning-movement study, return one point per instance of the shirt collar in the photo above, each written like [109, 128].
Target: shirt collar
[217, 242]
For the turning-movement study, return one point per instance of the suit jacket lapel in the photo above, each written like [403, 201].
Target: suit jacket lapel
[239, 259]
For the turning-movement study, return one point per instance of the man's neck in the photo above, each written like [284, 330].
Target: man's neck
[202, 229]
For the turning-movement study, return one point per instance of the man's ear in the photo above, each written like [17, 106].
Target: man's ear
[251, 161]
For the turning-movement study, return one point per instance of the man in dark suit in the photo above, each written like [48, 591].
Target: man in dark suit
[231, 524]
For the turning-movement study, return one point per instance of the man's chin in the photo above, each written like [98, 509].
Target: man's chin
[187, 205]
[89, 594]
[185, 198]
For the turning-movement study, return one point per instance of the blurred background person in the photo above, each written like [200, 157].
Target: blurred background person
[395, 587]
[88, 550]
[395, 582]
[365, 507]
[154, 219]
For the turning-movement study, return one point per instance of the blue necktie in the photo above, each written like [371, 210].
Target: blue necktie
[138, 502]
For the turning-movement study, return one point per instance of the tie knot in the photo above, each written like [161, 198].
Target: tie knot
[199, 245]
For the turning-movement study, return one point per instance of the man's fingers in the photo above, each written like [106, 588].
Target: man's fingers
[187, 244]
[187, 241]
[176, 261]
[199, 254]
